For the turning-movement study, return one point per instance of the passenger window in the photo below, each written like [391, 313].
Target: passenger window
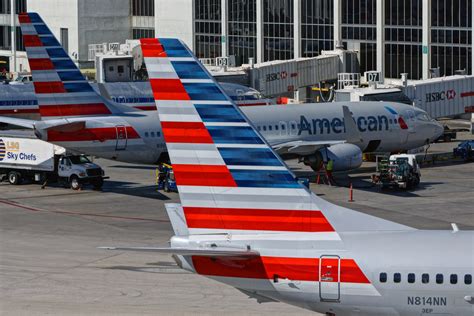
[152, 134]
[264, 128]
[453, 279]
[276, 127]
[258, 128]
[439, 278]
[397, 277]
[411, 278]
[425, 278]
[157, 134]
[269, 127]
[293, 126]
[383, 277]
[468, 279]
[146, 134]
[283, 127]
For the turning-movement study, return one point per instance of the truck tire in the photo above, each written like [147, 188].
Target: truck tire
[75, 183]
[98, 183]
[14, 177]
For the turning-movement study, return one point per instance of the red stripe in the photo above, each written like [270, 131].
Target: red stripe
[90, 134]
[146, 108]
[32, 41]
[73, 109]
[151, 47]
[257, 219]
[19, 111]
[49, 87]
[24, 18]
[298, 269]
[168, 89]
[40, 64]
[186, 132]
[467, 94]
[203, 175]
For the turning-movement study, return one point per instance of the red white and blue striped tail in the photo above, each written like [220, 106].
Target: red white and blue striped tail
[61, 89]
[229, 179]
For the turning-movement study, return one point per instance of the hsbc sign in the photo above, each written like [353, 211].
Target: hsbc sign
[440, 96]
[276, 76]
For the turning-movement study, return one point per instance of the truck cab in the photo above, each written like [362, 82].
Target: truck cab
[78, 170]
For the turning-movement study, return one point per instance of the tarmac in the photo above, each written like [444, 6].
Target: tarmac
[49, 263]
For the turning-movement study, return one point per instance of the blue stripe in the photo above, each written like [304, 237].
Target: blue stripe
[71, 76]
[249, 157]
[233, 135]
[264, 179]
[218, 113]
[56, 53]
[174, 48]
[35, 18]
[78, 87]
[49, 41]
[42, 29]
[189, 70]
[391, 110]
[65, 64]
[204, 91]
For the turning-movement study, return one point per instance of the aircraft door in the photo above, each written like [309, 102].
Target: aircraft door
[283, 128]
[121, 137]
[329, 278]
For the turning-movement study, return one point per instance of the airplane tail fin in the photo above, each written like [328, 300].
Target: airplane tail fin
[230, 181]
[60, 87]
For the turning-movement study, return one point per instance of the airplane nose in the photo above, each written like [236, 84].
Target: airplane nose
[438, 131]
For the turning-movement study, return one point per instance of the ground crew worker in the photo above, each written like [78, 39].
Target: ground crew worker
[329, 169]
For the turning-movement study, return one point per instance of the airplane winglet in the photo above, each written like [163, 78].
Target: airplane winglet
[354, 135]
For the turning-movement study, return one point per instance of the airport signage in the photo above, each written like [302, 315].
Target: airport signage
[276, 76]
[373, 76]
[440, 96]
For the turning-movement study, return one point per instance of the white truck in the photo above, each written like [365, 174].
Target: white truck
[27, 159]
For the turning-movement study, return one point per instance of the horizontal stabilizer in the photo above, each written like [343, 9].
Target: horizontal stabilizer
[17, 122]
[209, 252]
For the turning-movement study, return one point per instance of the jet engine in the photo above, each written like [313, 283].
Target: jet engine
[345, 157]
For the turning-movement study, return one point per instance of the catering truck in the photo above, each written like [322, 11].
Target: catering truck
[33, 160]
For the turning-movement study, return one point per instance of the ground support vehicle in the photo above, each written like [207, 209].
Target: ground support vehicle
[33, 160]
[398, 171]
[165, 179]
[465, 150]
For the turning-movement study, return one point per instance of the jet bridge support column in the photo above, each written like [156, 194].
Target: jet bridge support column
[425, 39]
[337, 23]
[380, 18]
[224, 37]
[260, 46]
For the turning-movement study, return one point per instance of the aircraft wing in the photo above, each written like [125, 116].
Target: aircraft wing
[301, 147]
[209, 252]
[17, 122]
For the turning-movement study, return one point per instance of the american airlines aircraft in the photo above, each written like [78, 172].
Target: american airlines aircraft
[244, 220]
[76, 117]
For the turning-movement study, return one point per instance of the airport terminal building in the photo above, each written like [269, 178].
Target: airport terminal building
[391, 36]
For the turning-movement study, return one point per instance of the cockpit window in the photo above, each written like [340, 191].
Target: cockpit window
[423, 117]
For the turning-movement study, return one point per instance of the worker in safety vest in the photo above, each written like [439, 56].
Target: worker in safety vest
[329, 169]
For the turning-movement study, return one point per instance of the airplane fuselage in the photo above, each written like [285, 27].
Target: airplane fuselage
[135, 137]
[363, 273]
